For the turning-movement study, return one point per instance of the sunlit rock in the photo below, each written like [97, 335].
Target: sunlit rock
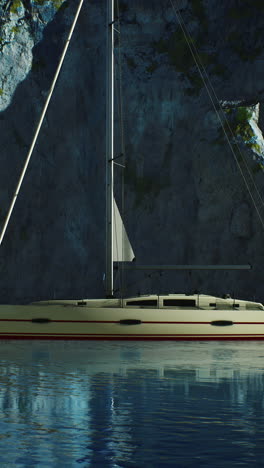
[20, 30]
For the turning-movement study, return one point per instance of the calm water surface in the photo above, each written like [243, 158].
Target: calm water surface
[71, 404]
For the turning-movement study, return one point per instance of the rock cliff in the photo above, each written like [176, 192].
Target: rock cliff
[186, 200]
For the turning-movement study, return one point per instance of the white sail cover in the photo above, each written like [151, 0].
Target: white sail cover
[122, 249]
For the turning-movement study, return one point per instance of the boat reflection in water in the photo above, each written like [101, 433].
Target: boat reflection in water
[131, 404]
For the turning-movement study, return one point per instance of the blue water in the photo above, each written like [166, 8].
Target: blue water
[81, 404]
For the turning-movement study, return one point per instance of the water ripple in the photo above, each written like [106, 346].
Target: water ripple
[131, 404]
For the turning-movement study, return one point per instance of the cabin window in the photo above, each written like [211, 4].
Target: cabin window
[179, 302]
[143, 302]
[212, 304]
[254, 306]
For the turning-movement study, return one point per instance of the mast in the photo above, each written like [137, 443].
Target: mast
[109, 146]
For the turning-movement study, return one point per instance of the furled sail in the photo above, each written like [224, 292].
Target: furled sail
[122, 249]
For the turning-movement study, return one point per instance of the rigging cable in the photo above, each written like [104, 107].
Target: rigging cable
[196, 57]
[40, 121]
[211, 93]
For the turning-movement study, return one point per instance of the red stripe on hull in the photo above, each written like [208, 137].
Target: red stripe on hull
[134, 338]
[118, 321]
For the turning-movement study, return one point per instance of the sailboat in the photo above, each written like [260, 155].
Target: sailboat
[150, 317]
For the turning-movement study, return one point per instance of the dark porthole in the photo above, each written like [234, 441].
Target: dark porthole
[130, 322]
[40, 320]
[222, 323]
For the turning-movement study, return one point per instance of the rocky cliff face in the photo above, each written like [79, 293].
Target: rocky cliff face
[186, 201]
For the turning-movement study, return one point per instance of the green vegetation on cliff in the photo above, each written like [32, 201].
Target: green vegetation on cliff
[199, 11]
[56, 3]
[238, 126]
[15, 5]
[182, 59]
[142, 186]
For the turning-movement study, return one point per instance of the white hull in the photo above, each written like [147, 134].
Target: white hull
[91, 321]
